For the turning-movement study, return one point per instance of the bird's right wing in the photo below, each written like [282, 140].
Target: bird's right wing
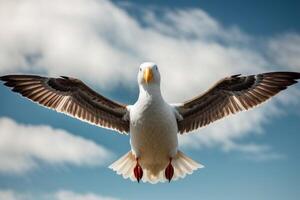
[231, 95]
[72, 97]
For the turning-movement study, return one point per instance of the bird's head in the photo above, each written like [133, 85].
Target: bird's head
[148, 74]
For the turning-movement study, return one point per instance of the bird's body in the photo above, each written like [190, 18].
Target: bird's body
[153, 131]
[152, 123]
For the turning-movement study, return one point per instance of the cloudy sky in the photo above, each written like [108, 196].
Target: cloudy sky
[48, 156]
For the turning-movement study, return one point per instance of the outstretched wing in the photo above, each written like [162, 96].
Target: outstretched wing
[231, 95]
[72, 97]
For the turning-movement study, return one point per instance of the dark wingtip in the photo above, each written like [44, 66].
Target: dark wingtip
[236, 75]
[65, 77]
[4, 78]
[285, 73]
[294, 75]
[297, 75]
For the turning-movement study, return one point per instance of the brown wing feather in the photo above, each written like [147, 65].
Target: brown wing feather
[70, 96]
[231, 95]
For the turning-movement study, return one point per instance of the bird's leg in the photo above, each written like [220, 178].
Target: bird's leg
[169, 172]
[138, 171]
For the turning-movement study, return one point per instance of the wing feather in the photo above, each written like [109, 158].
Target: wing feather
[231, 95]
[72, 97]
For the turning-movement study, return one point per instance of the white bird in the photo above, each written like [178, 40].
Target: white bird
[153, 123]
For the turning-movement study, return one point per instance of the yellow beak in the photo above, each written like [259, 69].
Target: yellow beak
[148, 75]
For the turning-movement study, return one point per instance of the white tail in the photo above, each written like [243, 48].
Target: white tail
[182, 164]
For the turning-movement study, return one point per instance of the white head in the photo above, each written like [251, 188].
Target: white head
[148, 75]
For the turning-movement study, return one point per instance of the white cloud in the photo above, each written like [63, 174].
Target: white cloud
[284, 50]
[98, 41]
[22, 147]
[68, 195]
[7, 195]
[12, 195]
[59, 195]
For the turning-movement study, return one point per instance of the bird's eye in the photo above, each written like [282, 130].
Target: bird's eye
[140, 69]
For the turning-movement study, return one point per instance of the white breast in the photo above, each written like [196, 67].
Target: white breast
[153, 131]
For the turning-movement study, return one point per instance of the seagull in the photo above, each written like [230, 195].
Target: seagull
[152, 123]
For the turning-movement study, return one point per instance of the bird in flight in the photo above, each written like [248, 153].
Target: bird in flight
[152, 123]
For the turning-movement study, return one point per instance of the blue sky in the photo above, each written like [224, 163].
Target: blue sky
[46, 155]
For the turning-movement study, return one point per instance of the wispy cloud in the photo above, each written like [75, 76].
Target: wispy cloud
[255, 152]
[22, 147]
[69, 195]
[96, 40]
[284, 50]
[59, 195]
[11, 195]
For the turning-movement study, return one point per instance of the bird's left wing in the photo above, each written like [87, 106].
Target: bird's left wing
[72, 97]
[231, 95]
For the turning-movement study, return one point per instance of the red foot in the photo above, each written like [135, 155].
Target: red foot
[169, 172]
[138, 171]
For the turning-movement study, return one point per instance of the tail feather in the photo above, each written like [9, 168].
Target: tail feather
[124, 166]
[128, 173]
[182, 164]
